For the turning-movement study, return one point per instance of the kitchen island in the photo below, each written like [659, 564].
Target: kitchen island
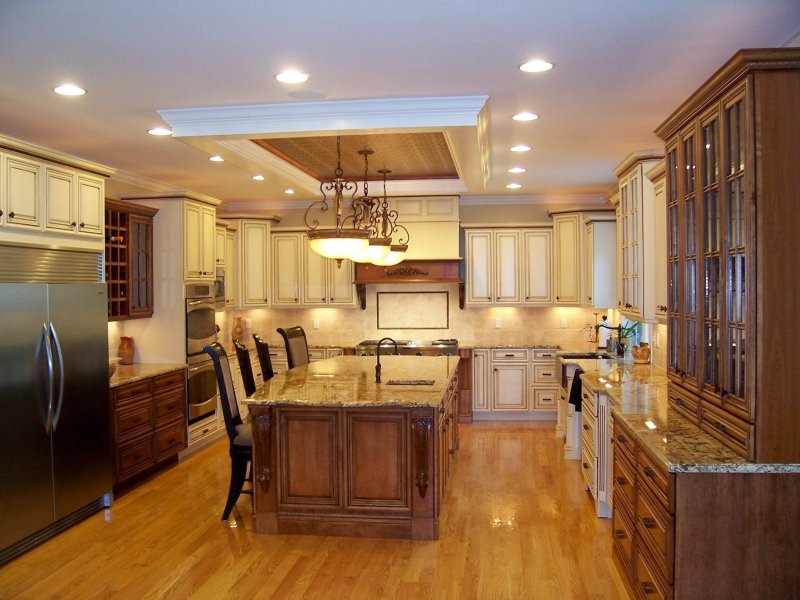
[335, 453]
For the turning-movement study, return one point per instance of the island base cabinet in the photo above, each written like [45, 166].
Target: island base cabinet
[372, 472]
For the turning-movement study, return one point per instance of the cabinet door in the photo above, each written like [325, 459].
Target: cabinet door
[140, 264]
[341, 291]
[567, 259]
[230, 268]
[480, 287]
[315, 267]
[538, 267]
[59, 199]
[90, 212]
[480, 380]
[588, 282]
[509, 387]
[220, 247]
[254, 277]
[192, 227]
[207, 239]
[600, 281]
[22, 180]
[507, 266]
[660, 247]
[286, 269]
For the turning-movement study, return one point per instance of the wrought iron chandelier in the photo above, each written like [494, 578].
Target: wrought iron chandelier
[349, 236]
[383, 225]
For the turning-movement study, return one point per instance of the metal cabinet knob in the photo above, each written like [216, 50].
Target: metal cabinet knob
[12, 214]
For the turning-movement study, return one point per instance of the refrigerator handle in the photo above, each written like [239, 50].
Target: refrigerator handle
[51, 387]
[60, 357]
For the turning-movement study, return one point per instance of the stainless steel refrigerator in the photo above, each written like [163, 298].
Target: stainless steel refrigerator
[55, 462]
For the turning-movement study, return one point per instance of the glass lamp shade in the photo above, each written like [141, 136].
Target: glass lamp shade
[397, 254]
[377, 250]
[334, 243]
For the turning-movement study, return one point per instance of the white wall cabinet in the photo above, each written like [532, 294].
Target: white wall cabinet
[537, 284]
[220, 248]
[200, 228]
[568, 252]
[286, 269]
[637, 239]
[48, 194]
[600, 273]
[508, 267]
[657, 175]
[254, 258]
[231, 267]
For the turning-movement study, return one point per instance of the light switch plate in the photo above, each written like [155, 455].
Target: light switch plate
[564, 323]
[498, 323]
[315, 323]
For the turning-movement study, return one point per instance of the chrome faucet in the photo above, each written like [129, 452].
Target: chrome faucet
[619, 348]
[378, 355]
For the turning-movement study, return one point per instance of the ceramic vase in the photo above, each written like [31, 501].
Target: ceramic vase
[125, 351]
[641, 353]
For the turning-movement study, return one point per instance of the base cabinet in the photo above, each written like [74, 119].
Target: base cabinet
[148, 424]
[702, 534]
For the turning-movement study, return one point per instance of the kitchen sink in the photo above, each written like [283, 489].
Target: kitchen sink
[585, 355]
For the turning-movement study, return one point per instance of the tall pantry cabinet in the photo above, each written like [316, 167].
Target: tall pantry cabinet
[732, 254]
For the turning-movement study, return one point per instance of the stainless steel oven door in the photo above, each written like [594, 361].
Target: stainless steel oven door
[201, 329]
[201, 391]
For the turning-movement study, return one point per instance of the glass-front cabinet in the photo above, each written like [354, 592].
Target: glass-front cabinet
[732, 224]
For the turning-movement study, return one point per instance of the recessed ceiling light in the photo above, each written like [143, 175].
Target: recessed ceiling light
[159, 131]
[536, 66]
[525, 116]
[216, 158]
[513, 186]
[289, 191]
[291, 76]
[258, 178]
[69, 89]
[520, 148]
[517, 170]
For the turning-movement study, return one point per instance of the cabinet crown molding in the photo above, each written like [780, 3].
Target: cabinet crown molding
[637, 157]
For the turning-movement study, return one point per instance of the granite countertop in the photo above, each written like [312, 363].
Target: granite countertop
[130, 373]
[350, 381]
[489, 346]
[639, 400]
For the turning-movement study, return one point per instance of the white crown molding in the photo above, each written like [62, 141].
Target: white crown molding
[325, 116]
[145, 183]
[542, 199]
[485, 145]
[54, 156]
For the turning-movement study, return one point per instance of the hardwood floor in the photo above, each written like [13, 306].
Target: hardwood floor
[516, 524]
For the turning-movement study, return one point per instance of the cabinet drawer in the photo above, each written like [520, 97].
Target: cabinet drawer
[125, 393]
[168, 380]
[655, 527]
[649, 583]
[170, 406]
[624, 441]
[316, 353]
[587, 435]
[622, 530]
[170, 440]
[545, 374]
[545, 399]
[624, 479]
[587, 470]
[650, 474]
[511, 355]
[688, 406]
[732, 431]
[542, 355]
[133, 419]
[134, 458]
[587, 405]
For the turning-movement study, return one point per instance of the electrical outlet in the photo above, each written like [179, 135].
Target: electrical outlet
[315, 323]
[497, 323]
[245, 323]
[656, 340]
[564, 323]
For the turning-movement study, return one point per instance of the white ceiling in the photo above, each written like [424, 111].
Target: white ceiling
[622, 66]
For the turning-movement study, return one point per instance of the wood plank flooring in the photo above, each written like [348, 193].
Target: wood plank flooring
[516, 524]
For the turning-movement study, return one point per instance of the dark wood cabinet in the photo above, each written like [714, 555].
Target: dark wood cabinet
[129, 260]
[148, 424]
[732, 244]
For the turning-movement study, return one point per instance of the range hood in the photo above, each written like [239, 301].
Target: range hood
[411, 271]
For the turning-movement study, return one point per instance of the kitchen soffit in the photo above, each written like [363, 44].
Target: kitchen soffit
[414, 137]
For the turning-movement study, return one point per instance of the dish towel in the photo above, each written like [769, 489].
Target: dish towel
[576, 389]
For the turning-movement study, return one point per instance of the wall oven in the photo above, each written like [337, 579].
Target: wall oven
[201, 330]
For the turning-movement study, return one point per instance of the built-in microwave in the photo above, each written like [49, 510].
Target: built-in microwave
[219, 290]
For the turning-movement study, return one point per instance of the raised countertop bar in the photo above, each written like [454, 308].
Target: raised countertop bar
[130, 373]
[349, 381]
[639, 393]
